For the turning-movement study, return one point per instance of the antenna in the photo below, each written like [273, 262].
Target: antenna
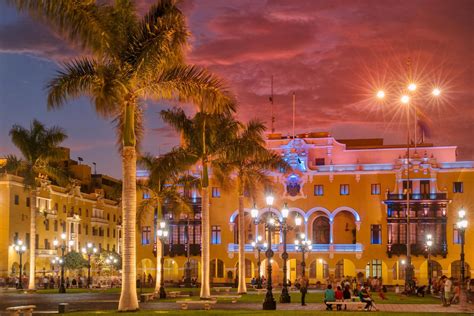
[271, 107]
[294, 113]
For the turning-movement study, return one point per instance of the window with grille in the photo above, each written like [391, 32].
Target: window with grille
[216, 192]
[375, 189]
[344, 189]
[376, 234]
[318, 190]
[146, 233]
[215, 235]
[458, 187]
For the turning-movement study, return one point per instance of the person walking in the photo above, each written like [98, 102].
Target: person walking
[304, 282]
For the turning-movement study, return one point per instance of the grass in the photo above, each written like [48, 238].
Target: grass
[254, 298]
[240, 312]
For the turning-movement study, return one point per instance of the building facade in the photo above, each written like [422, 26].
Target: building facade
[85, 212]
[350, 197]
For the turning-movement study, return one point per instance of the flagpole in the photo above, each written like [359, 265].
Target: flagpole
[294, 108]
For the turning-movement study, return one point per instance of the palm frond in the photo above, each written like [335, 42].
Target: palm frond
[87, 77]
[80, 21]
[192, 84]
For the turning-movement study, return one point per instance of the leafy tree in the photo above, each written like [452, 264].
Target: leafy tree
[162, 184]
[74, 261]
[203, 138]
[246, 157]
[130, 59]
[40, 149]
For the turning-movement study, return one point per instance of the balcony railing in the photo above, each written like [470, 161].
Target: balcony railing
[418, 196]
[317, 248]
[99, 220]
[417, 249]
[46, 252]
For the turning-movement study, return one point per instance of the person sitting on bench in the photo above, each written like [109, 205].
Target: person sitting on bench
[365, 298]
[329, 296]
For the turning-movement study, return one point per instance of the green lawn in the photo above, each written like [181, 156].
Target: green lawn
[240, 312]
[254, 298]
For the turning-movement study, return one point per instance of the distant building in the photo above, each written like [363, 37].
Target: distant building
[350, 197]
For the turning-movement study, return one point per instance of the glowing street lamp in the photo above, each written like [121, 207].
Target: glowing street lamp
[89, 251]
[259, 246]
[412, 87]
[405, 99]
[303, 245]
[20, 249]
[162, 233]
[63, 246]
[429, 244]
[462, 225]
[380, 94]
[436, 92]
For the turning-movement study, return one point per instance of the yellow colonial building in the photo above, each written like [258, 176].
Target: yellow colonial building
[85, 212]
[350, 198]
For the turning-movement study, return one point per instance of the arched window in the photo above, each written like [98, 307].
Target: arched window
[248, 268]
[374, 268]
[193, 266]
[217, 268]
[436, 269]
[321, 230]
[456, 270]
[312, 270]
[339, 273]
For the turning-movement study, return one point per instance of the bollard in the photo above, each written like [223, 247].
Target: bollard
[62, 308]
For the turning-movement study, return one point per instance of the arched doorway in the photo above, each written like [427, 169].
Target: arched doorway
[276, 277]
[217, 269]
[249, 268]
[456, 270]
[194, 265]
[321, 230]
[344, 225]
[318, 270]
[170, 270]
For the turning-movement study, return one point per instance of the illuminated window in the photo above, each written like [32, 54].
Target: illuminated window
[146, 195]
[375, 189]
[318, 190]
[344, 189]
[456, 235]
[458, 187]
[216, 235]
[216, 192]
[146, 233]
[375, 234]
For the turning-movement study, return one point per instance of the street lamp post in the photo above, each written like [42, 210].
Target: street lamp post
[63, 246]
[259, 246]
[89, 251]
[111, 261]
[57, 261]
[303, 245]
[20, 249]
[163, 236]
[462, 225]
[429, 243]
[285, 296]
[407, 100]
[269, 303]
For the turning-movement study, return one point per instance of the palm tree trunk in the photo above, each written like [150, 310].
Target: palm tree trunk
[205, 236]
[31, 279]
[242, 288]
[128, 297]
[159, 254]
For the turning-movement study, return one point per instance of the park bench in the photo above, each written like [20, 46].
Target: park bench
[222, 288]
[145, 297]
[232, 298]
[26, 310]
[173, 294]
[205, 303]
[357, 304]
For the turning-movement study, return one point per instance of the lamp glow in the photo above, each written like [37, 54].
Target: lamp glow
[285, 211]
[405, 99]
[380, 94]
[436, 92]
[412, 87]
[298, 221]
[254, 212]
[270, 199]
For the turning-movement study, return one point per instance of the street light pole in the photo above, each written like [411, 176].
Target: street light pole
[162, 235]
[285, 296]
[259, 246]
[89, 251]
[303, 245]
[20, 249]
[269, 303]
[62, 246]
[462, 225]
[429, 243]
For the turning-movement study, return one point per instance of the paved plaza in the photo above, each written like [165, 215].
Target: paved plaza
[105, 301]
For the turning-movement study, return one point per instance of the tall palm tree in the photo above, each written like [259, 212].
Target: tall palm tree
[133, 58]
[164, 176]
[202, 139]
[246, 157]
[39, 147]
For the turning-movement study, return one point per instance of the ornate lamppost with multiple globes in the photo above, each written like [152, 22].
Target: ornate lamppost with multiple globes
[162, 233]
[20, 249]
[89, 250]
[57, 262]
[259, 246]
[461, 226]
[429, 244]
[410, 94]
[269, 303]
[111, 261]
[303, 245]
[285, 296]
[63, 246]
